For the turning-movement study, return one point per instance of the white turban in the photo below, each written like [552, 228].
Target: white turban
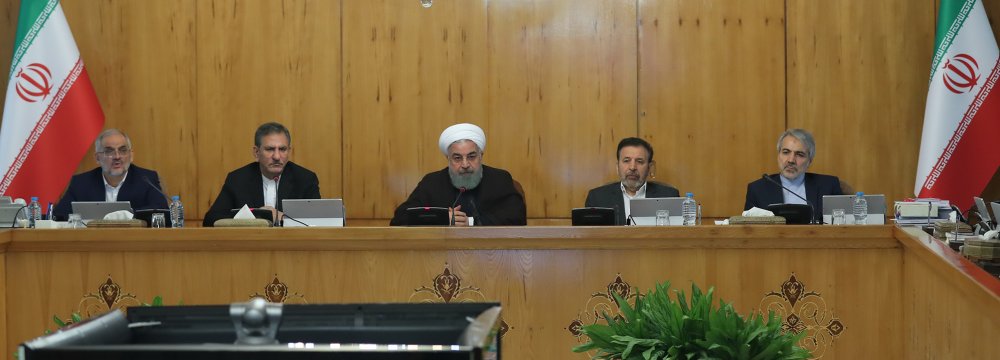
[463, 131]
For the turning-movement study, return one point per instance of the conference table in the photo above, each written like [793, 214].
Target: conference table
[855, 291]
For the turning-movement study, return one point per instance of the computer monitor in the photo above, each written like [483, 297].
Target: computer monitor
[313, 212]
[428, 216]
[594, 216]
[643, 211]
[794, 214]
[335, 331]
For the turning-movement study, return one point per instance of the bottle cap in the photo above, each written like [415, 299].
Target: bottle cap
[34, 198]
[176, 197]
[861, 193]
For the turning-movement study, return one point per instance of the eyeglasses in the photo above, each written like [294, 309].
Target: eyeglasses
[109, 152]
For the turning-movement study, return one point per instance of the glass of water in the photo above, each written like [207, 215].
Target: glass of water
[838, 217]
[662, 217]
[158, 221]
[75, 222]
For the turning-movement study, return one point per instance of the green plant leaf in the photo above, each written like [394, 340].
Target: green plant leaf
[58, 321]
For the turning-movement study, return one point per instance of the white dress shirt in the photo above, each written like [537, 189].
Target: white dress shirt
[271, 191]
[798, 186]
[111, 192]
[639, 194]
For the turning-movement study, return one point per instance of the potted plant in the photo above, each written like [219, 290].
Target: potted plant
[660, 328]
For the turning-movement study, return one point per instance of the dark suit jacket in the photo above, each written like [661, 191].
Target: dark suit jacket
[610, 196]
[89, 186]
[762, 193]
[494, 201]
[245, 186]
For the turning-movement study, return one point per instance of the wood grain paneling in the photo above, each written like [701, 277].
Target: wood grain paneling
[8, 28]
[545, 277]
[711, 94]
[562, 94]
[261, 61]
[946, 315]
[555, 84]
[140, 56]
[857, 78]
[409, 72]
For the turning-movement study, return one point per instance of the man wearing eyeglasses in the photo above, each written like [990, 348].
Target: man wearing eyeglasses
[468, 188]
[116, 179]
[266, 181]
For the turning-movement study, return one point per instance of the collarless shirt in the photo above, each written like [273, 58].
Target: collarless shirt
[639, 194]
[797, 186]
[271, 190]
[111, 192]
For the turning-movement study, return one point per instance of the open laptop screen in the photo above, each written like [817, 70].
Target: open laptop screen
[643, 211]
[95, 210]
[313, 212]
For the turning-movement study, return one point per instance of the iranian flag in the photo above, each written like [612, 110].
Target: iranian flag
[959, 150]
[51, 115]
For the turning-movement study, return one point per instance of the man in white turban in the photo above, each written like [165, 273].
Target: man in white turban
[475, 193]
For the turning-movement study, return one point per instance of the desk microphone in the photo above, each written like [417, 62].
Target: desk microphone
[461, 191]
[477, 215]
[157, 188]
[811, 207]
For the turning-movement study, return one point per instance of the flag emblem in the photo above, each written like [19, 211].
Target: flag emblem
[961, 73]
[34, 82]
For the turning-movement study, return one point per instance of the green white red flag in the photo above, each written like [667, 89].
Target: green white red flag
[51, 115]
[959, 151]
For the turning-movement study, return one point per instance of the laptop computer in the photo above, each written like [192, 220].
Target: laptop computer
[8, 214]
[984, 213]
[643, 211]
[95, 210]
[313, 212]
[996, 208]
[876, 208]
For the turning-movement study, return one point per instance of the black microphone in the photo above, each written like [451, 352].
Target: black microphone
[461, 191]
[811, 207]
[19, 210]
[476, 213]
[157, 188]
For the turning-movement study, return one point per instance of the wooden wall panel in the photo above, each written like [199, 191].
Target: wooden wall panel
[542, 291]
[951, 303]
[261, 61]
[562, 94]
[555, 84]
[8, 28]
[857, 78]
[711, 94]
[409, 72]
[128, 48]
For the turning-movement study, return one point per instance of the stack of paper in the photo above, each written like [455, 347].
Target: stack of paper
[921, 211]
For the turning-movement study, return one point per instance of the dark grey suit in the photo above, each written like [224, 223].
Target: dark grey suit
[610, 196]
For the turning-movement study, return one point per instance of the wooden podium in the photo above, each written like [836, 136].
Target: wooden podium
[856, 291]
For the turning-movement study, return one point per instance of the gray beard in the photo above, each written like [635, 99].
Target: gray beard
[467, 181]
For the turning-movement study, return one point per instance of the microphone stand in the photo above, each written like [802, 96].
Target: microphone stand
[811, 207]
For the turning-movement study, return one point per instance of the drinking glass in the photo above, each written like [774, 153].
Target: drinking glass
[838, 217]
[75, 221]
[158, 221]
[662, 217]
